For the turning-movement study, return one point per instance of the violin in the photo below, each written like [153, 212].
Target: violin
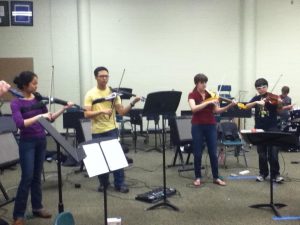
[114, 94]
[45, 100]
[128, 94]
[221, 98]
[272, 98]
[110, 97]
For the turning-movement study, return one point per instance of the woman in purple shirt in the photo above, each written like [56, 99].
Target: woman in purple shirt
[32, 146]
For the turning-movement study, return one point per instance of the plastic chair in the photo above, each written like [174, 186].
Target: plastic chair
[8, 125]
[156, 130]
[180, 132]
[224, 91]
[231, 143]
[64, 218]
[136, 119]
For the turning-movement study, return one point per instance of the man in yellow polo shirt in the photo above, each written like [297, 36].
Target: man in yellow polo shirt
[103, 117]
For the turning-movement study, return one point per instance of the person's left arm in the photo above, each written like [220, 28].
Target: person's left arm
[60, 111]
[281, 108]
[218, 109]
[122, 110]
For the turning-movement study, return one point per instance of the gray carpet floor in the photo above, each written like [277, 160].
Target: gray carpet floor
[210, 204]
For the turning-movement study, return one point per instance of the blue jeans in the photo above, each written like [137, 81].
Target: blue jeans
[32, 155]
[207, 133]
[118, 174]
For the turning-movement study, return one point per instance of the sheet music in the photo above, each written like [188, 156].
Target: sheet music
[94, 162]
[114, 154]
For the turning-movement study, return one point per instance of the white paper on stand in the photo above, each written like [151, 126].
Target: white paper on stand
[94, 161]
[114, 154]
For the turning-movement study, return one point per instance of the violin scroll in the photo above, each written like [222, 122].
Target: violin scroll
[15, 93]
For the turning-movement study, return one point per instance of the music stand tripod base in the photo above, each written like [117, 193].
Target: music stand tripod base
[165, 203]
[270, 139]
[155, 147]
[273, 206]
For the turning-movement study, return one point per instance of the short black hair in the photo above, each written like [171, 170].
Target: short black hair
[200, 77]
[100, 68]
[261, 82]
[285, 90]
[24, 78]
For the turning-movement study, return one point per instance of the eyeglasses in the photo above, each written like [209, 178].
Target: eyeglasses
[103, 76]
[261, 87]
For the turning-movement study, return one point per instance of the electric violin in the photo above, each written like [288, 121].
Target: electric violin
[214, 96]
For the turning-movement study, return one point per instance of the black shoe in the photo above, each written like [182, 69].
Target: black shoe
[123, 189]
[129, 160]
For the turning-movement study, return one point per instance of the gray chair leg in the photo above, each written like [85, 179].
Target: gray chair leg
[244, 153]
[43, 173]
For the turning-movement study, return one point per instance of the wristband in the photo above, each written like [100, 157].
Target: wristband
[131, 104]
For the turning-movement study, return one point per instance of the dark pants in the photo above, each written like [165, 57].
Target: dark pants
[32, 156]
[209, 134]
[118, 174]
[265, 154]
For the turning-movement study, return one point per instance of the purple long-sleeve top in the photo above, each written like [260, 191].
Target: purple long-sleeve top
[33, 131]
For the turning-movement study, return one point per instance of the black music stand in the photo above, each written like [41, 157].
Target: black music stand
[270, 139]
[236, 112]
[104, 155]
[76, 154]
[162, 103]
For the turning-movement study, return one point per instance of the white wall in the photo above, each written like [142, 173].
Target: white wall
[51, 41]
[161, 44]
[278, 45]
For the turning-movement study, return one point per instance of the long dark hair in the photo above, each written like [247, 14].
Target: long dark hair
[24, 78]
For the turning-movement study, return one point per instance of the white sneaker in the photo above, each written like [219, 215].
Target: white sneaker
[279, 179]
[260, 178]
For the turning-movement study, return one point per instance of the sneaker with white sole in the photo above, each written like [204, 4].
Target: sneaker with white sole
[260, 178]
[279, 179]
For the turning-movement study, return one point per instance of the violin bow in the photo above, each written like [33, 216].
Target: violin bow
[51, 88]
[114, 101]
[219, 89]
[278, 79]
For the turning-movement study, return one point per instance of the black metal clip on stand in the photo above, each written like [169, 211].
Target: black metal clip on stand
[76, 154]
[162, 103]
[271, 139]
